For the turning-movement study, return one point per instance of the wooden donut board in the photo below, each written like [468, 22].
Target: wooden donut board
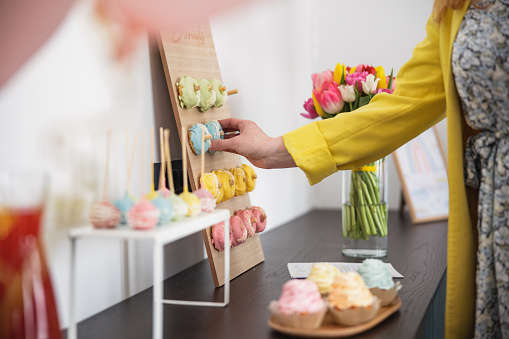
[191, 52]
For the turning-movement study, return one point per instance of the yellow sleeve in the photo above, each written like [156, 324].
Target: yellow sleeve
[351, 140]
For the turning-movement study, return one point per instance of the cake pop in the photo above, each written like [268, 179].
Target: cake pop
[250, 177]
[163, 205]
[195, 133]
[217, 234]
[227, 183]
[247, 218]
[207, 95]
[179, 206]
[189, 92]
[192, 201]
[125, 203]
[238, 229]
[104, 214]
[221, 95]
[261, 218]
[143, 215]
[240, 180]
[207, 200]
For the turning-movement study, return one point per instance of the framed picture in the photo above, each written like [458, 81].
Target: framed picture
[422, 170]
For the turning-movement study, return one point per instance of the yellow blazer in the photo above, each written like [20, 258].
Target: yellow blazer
[425, 94]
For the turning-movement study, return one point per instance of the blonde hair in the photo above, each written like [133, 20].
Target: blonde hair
[440, 6]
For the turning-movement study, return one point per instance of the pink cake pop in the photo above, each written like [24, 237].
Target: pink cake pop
[143, 215]
[104, 214]
[218, 236]
[261, 218]
[238, 229]
[248, 219]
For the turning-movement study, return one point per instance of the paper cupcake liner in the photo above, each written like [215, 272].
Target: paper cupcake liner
[386, 296]
[309, 321]
[355, 316]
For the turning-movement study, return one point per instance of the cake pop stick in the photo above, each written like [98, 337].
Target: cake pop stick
[179, 206]
[126, 202]
[143, 215]
[104, 214]
[207, 200]
[163, 190]
[168, 158]
[152, 194]
[192, 201]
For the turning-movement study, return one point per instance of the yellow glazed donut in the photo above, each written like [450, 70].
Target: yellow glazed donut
[227, 184]
[210, 182]
[250, 177]
[240, 180]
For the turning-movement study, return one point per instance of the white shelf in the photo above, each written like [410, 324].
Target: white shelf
[161, 235]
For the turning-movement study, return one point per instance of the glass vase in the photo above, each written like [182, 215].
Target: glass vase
[364, 224]
[27, 303]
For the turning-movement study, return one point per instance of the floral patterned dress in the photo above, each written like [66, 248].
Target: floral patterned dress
[480, 63]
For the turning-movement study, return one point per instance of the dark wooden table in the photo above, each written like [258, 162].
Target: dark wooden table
[416, 251]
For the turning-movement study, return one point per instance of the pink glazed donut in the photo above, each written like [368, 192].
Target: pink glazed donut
[218, 236]
[261, 218]
[247, 217]
[238, 230]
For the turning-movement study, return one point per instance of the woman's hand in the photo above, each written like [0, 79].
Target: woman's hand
[253, 144]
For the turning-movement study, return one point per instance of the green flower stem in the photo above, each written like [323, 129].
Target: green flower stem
[364, 215]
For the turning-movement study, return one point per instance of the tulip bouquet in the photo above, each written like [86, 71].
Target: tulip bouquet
[345, 90]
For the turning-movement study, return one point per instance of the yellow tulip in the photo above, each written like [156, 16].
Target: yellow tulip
[338, 73]
[319, 110]
[380, 73]
[352, 69]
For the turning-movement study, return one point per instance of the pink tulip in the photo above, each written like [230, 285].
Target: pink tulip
[356, 78]
[309, 106]
[330, 100]
[385, 90]
[320, 78]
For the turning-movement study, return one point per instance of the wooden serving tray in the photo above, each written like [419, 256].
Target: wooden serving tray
[329, 329]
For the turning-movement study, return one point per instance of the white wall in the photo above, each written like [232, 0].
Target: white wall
[55, 111]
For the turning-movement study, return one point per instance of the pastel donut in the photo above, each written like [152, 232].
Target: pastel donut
[261, 218]
[189, 92]
[207, 200]
[240, 180]
[211, 183]
[195, 134]
[217, 234]
[207, 95]
[250, 177]
[193, 203]
[247, 217]
[221, 96]
[227, 182]
[215, 130]
[238, 229]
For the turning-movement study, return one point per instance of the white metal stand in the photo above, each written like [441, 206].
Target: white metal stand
[160, 236]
